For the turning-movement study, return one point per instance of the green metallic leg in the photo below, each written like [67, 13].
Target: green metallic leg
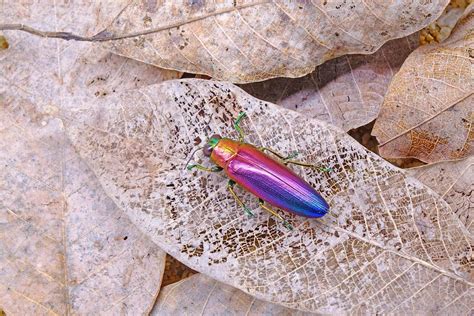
[269, 210]
[287, 160]
[237, 126]
[230, 186]
[212, 169]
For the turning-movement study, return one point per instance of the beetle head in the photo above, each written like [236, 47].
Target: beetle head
[211, 143]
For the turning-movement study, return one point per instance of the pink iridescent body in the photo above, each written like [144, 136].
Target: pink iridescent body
[268, 179]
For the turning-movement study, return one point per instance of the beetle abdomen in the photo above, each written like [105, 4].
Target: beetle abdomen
[274, 183]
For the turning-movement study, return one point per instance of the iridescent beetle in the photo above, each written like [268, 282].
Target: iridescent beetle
[266, 178]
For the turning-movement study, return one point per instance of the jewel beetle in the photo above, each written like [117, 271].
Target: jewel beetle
[269, 180]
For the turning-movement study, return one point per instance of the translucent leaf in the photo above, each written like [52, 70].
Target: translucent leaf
[454, 182]
[388, 244]
[201, 293]
[65, 247]
[347, 91]
[247, 41]
[427, 112]
[51, 73]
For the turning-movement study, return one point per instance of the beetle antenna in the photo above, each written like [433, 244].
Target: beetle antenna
[191, 156]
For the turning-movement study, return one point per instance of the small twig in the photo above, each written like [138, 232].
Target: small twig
[62, 35]
[108, 36]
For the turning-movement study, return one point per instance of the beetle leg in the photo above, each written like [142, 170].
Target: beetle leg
[322, 169]
[237, 126]
[269, 210]
[290, 156]
[212, 169]
[230, 186]
[286, 160]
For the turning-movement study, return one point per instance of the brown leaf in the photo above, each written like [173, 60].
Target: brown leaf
[3, 43]
[66, 248]
[347, 91]
[427, 112]
[267, 40]
[175, 271]
[210, 297]
[454, 181]
[389, 243]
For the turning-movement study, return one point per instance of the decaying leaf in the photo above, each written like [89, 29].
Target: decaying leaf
[389, 244]
[454, 181]
[175, 271]
[210, 297]
[258, 40]
[53, 73]
[32, 67]
[65, 247]
[440, 30]
[347, 91]
[427, 112]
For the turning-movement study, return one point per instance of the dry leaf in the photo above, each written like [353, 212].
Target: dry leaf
[347, 92]
[65, 247]
[439, 30]
[32, 67]
[258, 40]
[210, 297]
[389, 244]
[454, 181]
[52, 72]
[175, 271]
[427, 112]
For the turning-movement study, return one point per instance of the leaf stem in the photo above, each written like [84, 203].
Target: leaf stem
[105, 35]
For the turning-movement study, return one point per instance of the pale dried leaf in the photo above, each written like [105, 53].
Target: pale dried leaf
[52, 72]
[65, 247]
[347, 91]
[427, 113]
[389, 244]
[267, 40]
[201, 295]
[454, 181]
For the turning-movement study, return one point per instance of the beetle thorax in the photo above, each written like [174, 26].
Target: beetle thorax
[224, 151]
